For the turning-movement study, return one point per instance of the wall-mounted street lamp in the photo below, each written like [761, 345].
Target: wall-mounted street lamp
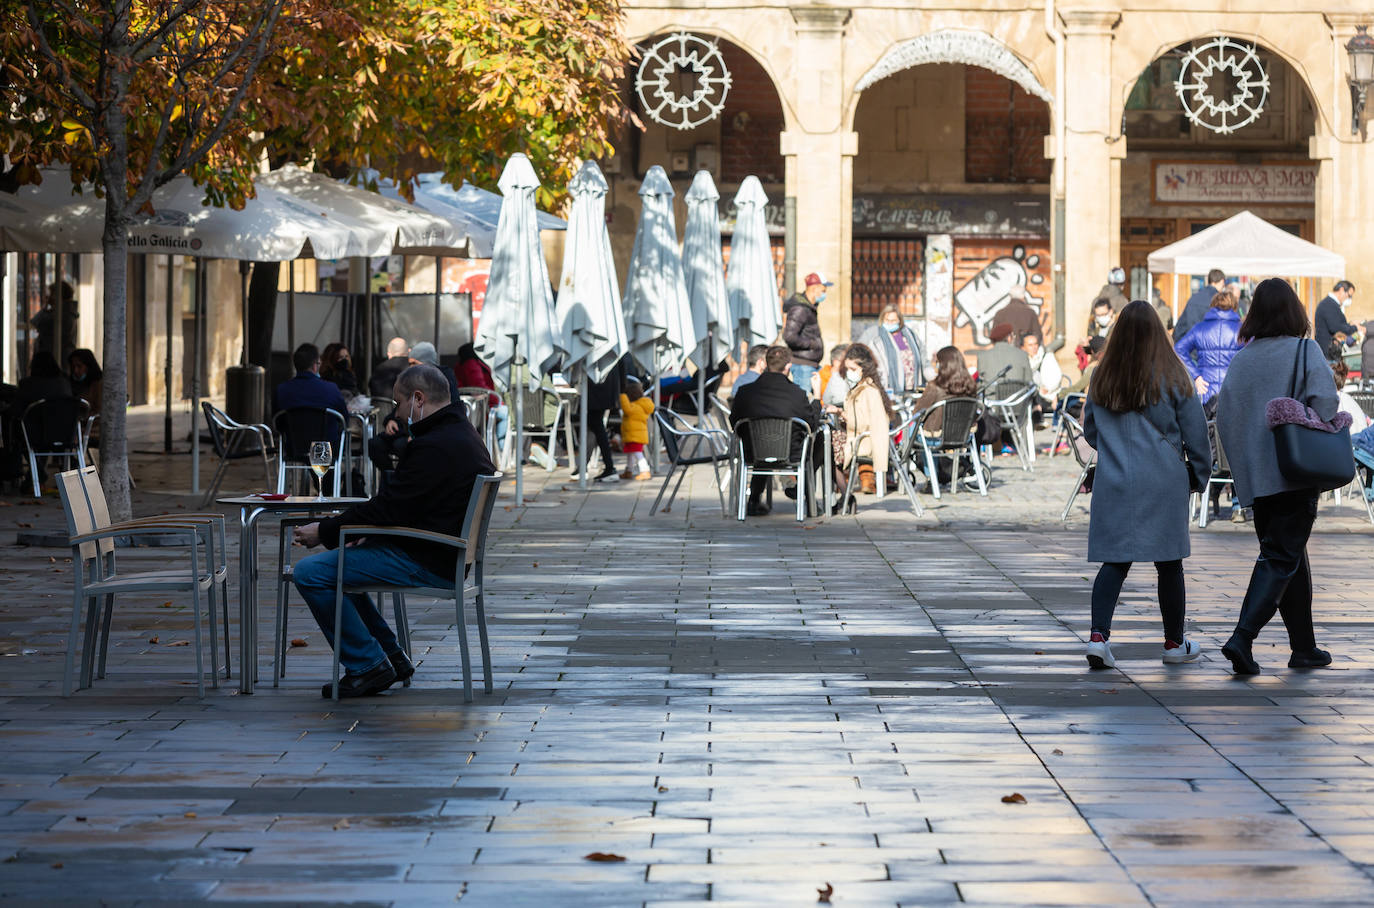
[1361, 51]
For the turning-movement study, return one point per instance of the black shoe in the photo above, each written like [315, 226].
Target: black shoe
[790, 492]
[757, 509]
[1237, 649]
[1311, 658]
[402, 665]
[847, 506]
[364, 685]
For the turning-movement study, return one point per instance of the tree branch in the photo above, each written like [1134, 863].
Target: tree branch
[63, 71]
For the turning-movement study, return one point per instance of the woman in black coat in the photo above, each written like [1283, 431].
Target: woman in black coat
[602, 396]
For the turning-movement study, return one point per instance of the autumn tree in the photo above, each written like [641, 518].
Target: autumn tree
[131, 93]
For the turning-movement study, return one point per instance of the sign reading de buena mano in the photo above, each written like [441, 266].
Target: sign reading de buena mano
[1285, 183]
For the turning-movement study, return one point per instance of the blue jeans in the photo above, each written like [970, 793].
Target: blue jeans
[366, 638]
[801, 376]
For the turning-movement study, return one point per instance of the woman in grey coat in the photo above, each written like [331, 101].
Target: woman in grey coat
[1274, 332]
[1143, 417]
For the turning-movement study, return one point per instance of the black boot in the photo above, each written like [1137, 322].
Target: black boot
[1312, 658]
[1238, 650]
[845, 506]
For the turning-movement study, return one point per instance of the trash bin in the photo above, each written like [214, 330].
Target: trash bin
[245, 391]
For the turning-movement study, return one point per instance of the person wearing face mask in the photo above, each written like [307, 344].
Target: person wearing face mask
[428, 491]
[867, 409]
[1330, 329]
[901, 358]
[336, 365]
[801, 330]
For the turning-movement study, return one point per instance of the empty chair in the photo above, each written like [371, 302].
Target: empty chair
[894, 457]
[1013, 402]
[469, 552]
[1221, 476]
[299, 428]
[1084, 453]
[687, 447]
[52, 428]
[232, 440]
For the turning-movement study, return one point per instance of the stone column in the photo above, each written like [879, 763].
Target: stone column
[1091, 158]
[820, 158]
[1344, 210]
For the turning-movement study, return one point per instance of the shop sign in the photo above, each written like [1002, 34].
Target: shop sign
[1183, 182]
[960, 215]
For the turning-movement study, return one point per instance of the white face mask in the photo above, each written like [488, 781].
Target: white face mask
[853, 376]
[1345, 303]
[411, 416]
[1103, 320]
[894, 327]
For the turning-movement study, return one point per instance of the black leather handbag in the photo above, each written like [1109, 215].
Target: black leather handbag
[1311, 457]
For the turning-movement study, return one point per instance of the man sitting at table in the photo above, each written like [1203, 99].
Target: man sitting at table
[429, 491]
[773, 396]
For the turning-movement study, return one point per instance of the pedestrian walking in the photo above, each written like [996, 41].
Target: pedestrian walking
[1275, 334]
[1143, 417]
[801, 330]
[1207, 350]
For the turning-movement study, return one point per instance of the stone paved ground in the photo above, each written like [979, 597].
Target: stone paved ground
[745, 712]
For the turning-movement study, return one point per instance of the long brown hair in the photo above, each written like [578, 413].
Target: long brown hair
[951, 373]
[861, 356]
[1139, 365]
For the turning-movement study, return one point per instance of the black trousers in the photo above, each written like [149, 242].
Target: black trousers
[596, 424]
[1282, 578]
[1172, 604]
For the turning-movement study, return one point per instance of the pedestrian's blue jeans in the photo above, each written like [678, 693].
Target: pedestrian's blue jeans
[801, 376]
[500, 414]
[366, 638]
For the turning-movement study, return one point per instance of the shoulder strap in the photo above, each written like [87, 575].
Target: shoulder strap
[1298, 354]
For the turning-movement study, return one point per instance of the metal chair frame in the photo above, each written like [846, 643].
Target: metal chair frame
[895, 458]
[770, 462]
[1074, 430]
[956, 440]
[1079, 396]
[64, 450]
[1014, 402]
[288, 458]
[1221, 465]
[469, 552]
[678, 434]
[226, 436]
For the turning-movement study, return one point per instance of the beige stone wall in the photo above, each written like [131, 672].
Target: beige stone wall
[911, 130]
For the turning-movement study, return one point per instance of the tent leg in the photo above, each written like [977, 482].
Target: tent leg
[519, 394]
[582, 433]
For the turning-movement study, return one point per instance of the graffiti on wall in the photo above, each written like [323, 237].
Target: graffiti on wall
[988, 290]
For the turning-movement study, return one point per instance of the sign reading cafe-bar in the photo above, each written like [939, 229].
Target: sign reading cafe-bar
[1292, 183]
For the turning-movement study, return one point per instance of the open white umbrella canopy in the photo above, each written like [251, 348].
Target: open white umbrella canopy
[704, 269]
[589, 314]
[658, 315]
[751, 281]
[475, 212]
[1246, 244]
[401, 228]
[48, 217]
[518, 313]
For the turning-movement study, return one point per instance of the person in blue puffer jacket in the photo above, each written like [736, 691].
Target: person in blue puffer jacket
[1207, 349]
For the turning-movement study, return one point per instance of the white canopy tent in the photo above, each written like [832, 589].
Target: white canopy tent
[1244, 244]
[476, 211]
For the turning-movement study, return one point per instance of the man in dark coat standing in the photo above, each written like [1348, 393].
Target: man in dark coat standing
[1329, 327]
[429, 491]
[1199, 303]
[801, 330]
[773, 396]
[1020, 316]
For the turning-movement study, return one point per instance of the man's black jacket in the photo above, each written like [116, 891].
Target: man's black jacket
[773, 395]
[429, 490]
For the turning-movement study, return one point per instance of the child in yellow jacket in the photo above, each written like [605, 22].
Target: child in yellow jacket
[635, 410]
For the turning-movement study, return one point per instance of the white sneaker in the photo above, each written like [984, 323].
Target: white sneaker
[1187, 651]
[540, 456]
[1099, 653]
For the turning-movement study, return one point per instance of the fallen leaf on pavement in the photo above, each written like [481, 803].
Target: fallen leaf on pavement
[298, 641]
[1014, 798]
[825, 894]
[663, 788]
[1107, 690]
[1040, 652]
[80, 819]
[604, 857]
[1057, 752]
[180, 643]
[342, 824]
[22, 524]
[190, 814]
[534, 564]
[152, 639]
[57, 866]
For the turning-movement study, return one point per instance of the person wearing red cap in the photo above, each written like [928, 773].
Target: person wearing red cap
[801, 330]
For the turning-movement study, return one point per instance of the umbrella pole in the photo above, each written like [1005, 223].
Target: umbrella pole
[582, 433]
[519, 394]
[195, 376]
[653, 423]
[167, 368]
[290, 308]
[701, 383]
[438, 288]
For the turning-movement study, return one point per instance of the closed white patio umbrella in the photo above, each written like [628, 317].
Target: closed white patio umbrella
[518, 323]
[589, 313]
[704, 269]
[752, 281]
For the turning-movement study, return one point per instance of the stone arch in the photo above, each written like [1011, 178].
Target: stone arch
[1136, 62]
[970, 47]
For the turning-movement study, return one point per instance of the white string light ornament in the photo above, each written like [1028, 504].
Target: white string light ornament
[667, 66]
[1222, 62]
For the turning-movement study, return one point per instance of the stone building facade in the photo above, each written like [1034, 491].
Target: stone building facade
[934, 156]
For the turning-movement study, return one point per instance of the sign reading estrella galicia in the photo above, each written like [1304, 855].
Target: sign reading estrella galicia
[961, 215]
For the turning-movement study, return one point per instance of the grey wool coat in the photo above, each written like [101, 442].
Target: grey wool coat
[1260, 372]
[1139, 508]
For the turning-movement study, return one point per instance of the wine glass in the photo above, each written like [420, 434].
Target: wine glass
[321, 459]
